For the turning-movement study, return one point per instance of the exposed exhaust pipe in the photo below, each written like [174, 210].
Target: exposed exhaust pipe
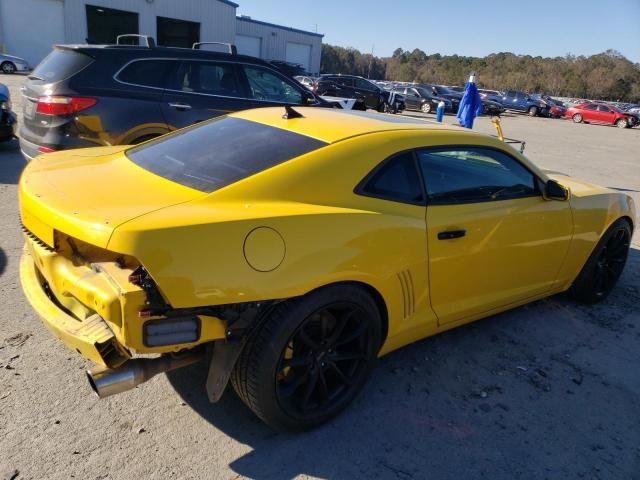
[106, 382]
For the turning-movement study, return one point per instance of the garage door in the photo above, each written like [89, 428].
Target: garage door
[247, 45]
[299, 53]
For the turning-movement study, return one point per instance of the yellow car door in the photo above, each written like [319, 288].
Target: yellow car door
[493, 240]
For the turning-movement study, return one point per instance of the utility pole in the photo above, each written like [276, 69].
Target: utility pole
[371, 61]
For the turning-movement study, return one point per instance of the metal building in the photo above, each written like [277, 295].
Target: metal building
[29, 28]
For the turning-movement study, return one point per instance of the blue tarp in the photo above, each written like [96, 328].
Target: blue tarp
[4, 92]
[470, 105]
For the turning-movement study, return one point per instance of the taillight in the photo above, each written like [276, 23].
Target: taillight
[43, 149]
[58, 105]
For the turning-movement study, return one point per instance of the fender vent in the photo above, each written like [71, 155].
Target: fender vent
[408, 292]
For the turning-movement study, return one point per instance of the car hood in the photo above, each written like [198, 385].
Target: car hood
[87, 193]
[13, 57]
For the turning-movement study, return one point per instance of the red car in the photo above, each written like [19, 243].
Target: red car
[599, 113]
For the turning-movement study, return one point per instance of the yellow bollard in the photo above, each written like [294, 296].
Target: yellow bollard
[496, 124]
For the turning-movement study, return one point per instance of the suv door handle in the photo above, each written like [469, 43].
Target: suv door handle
[451, 234]
[180, 106]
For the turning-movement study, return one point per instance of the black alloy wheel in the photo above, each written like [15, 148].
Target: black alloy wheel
[605, 265]
[323, 360]
[611, 262]
[309, 357]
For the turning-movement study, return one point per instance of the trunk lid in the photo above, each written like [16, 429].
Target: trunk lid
[87, 193]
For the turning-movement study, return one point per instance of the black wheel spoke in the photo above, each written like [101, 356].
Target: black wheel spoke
[346, 380]
[296, 361]
[290, 388]
[309, 389]
[304, 337]
[345, 356]
[324, 389]
[357, 333]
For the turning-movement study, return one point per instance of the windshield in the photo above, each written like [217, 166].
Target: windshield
[220, 152]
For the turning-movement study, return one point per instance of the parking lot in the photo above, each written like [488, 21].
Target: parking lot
[549, 390]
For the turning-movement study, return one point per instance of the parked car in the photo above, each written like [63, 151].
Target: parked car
[290, 254]
[523, 102]
[444, 92]
[88, 95]
[492, 108]
[11, 64]
[493, 95]
[422, 99]
[7, 117]
[592, 112]
[352, 86]
[305, 80]
[557, 109]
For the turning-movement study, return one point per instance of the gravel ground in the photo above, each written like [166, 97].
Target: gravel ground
[550, 390]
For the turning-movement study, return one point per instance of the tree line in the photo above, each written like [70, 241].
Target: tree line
[606, 76]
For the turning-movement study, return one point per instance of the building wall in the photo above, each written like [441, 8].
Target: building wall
[217, 19]
[275, 38]
[29, 28]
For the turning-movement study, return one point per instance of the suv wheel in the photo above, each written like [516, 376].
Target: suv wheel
[310, 357]
[533, 111]
[622, 123]
[8, 67]
[426, 107]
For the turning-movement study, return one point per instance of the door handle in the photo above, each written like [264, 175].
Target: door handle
[180, 106]
[451, 234]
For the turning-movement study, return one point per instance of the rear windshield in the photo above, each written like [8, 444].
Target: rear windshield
[60, 64]
[220, 152]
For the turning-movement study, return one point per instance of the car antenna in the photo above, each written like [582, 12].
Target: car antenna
[291, 113]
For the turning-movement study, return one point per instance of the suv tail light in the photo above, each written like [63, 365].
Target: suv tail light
[58, 105]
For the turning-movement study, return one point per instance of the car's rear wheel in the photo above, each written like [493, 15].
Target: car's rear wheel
[603, 268]
[533, 111]
[577, 118]
[426, 107]
[310, 357]
[622, 123]
[8, 67]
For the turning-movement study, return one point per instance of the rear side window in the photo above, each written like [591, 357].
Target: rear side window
[147, 73]
[59, 65]
[396, 179]
[210, 78]
[265, 85]
[220, 152]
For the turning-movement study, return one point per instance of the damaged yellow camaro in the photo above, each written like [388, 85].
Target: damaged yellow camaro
[290, 251]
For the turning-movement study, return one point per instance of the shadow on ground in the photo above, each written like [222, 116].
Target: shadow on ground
[11, 163]
[517, 395]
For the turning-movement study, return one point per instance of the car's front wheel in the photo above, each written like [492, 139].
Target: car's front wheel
[577, 118]
[533, 111]
[603, 268]
[622, 123]
[426, 107]
[310, 357]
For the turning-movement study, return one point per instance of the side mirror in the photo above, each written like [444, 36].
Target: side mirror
[308, 98]
[554, 191]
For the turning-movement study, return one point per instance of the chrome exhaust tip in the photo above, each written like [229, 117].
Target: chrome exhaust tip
[106, 381]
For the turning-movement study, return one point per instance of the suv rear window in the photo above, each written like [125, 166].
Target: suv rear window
[60, 64]
[220, 152]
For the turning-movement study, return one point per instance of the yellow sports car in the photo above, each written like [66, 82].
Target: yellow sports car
[290, 248]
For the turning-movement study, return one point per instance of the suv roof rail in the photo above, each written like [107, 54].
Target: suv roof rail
[232, 48]
[151, 43]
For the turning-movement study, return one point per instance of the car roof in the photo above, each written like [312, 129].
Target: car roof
[131, 51]
[332, 125]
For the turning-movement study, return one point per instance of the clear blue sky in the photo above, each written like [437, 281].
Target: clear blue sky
[533, 27]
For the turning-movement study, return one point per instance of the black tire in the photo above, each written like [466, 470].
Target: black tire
[577, 118]
[603, 268]
[533, 111]
[284, 368]
[8, 67]
[426, 107]
[622, 123]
